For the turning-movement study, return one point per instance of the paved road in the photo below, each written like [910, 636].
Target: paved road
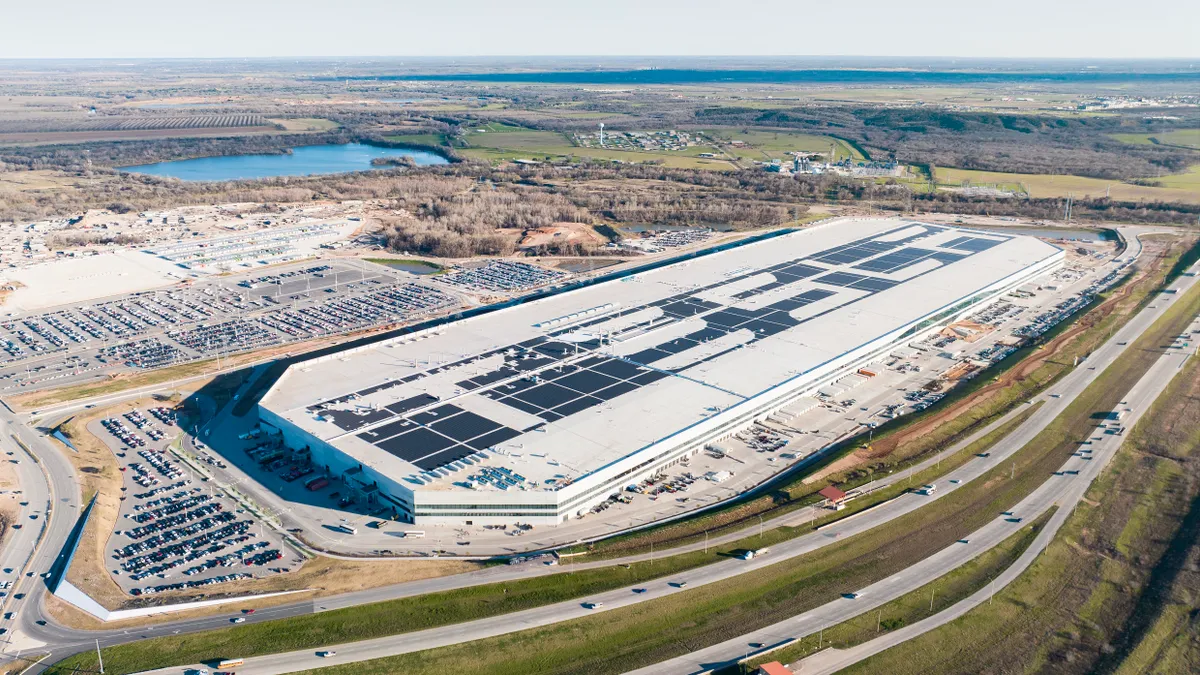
[61, 641]
[1055, 402]
[1139, 399]
[52, 481]
[1064, 489]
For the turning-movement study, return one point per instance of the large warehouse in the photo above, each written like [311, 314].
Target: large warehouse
[538, 411]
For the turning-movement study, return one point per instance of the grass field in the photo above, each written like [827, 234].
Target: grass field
[1186, 138]
[1112, 592]
[635, 636]
[496, 142]
[305, 124]
[44, 179]
[1183, 187]
[911, 607]
[768, 144]
[813, 578]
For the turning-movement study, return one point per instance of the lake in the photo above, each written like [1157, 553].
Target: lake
[305, 160]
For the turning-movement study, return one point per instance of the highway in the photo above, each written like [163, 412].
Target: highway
[1055, 402]
[1103, 447]
[61, 641]
[1064, 490]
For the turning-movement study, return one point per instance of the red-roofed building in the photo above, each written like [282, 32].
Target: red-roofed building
[832, 495]
[773, 668]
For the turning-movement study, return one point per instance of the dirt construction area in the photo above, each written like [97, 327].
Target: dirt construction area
[561, 233]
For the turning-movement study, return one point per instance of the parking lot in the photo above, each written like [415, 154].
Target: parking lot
[174, 530]
[211, 317]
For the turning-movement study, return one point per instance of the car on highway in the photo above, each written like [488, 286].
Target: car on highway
[639, 590]
[593, 605]
[854, 596]
[679, 584]
[326, 653]
[238, 619]
[247, 611]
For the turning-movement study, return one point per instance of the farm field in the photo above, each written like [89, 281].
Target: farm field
[1188, 138]
[1183, 187]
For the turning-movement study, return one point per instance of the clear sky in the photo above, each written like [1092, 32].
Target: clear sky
[258, 28]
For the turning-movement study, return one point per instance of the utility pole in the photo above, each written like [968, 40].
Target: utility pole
[760, 527]
[98, 657]
[932, 591]
[706, 541]
[879, 621]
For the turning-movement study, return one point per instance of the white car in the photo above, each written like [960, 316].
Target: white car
[238, 619]
[593, 605]
[327, 653]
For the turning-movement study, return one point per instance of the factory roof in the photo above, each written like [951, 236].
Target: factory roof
[556, 388]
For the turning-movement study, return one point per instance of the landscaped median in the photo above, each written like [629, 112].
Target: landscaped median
[477, 602]
[1113, 592]
[911, 607]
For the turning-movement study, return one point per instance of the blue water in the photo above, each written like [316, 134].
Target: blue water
[306, 160]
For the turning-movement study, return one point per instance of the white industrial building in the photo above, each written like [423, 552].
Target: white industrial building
[536, 412]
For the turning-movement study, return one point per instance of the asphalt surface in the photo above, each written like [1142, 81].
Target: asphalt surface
[60, 641]
[1070, 489]
[1056, 401]
[1065, 489]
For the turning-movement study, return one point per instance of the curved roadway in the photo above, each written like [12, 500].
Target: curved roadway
[60, 641]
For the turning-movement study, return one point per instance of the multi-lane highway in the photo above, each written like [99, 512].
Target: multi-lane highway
[1055, 402]
[62, 641]
[1064, 489]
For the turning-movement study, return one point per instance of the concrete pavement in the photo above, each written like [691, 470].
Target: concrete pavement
[1064, 489]
[1055, 402]
[1103, 447]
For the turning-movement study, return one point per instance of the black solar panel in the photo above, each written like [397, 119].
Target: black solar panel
[840, 279]
[465, 426]
[418, 443]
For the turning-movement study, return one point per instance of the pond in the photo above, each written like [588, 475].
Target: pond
[305, 160]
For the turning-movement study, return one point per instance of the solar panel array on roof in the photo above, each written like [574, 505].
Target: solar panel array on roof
[553, 376]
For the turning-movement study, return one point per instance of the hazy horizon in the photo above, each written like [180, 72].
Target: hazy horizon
[140, 29]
